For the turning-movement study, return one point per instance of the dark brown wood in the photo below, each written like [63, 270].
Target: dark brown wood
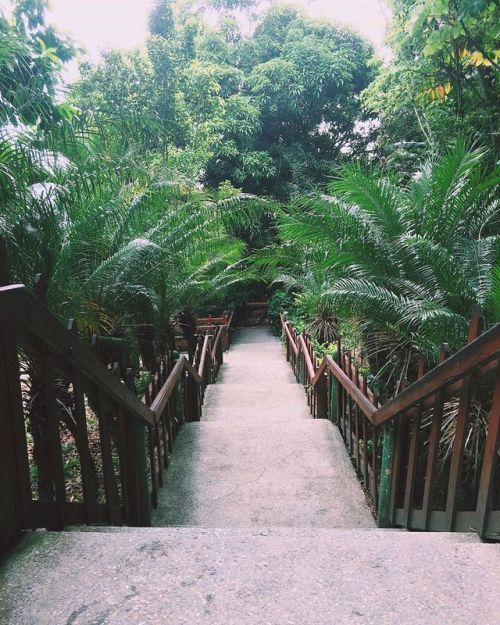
[433, 448]
[413, 455]
[364, 404]
[106, 448]
[490, 460]
[52, 432]
[89, 486]
[17, 300]
[320, 391]
[160, 401]
[15, 489]
[466, 360]
[397, 463]
[375, 470]
[462, 421]
[412, 467]
[153, 468]
[4, 264]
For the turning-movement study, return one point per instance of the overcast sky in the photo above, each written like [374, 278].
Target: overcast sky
[99, 24]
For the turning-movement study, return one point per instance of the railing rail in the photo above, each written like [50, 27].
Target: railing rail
[77, 445]
[399, 450]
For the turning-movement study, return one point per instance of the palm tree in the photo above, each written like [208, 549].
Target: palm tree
[406, 264]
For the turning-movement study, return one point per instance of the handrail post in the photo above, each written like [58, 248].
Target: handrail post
[192, 400]
[321, 398]
[384, 501]
[15, 491]
[136, 478]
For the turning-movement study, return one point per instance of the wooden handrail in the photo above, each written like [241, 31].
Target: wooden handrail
[307, 358]
[135, 437]
[294, 347]
[203, 357]
[18, 302]
[364, 404]
[218, 337]
[475, 354]
[390, 460]
[160, 401]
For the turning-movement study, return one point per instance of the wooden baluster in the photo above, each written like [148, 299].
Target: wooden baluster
[192, 400]
[340, 392]
[89, 485]
[160, 431]
[356, 421]
[15, 486]
[53, 434]
[375, 457]
[433, 447]
[413, 456]
[4, 264]
[40, 288]
[460, 433]
[321, 392]
[124, 470]
[139, 514]
[490, 460]
[399, 445]
[366, 473]
[95, 346]
[110, 485]
[349, 401]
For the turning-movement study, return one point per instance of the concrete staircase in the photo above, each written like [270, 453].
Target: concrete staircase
[262, 521]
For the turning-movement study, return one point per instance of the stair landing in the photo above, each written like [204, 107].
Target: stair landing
[283, 576]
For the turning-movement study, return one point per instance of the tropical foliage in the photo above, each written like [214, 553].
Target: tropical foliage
[407, 265]
[168, 177]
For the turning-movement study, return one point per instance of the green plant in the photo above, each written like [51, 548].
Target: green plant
[279, 302]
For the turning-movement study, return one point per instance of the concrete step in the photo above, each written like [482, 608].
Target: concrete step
[237, 402]
[272, 576]
[294, 473]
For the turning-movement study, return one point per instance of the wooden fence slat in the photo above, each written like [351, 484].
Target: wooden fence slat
[457, 453]
[89, 486]
[15, 487]
[53, 433]
[490, 460]
[108, 472]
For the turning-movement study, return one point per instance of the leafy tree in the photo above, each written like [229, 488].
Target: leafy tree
[31, 55]
[443, 81]
[303, 77]
[161, 19]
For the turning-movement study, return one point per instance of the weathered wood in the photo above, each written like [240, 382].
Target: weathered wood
[466, 360]
[320, 391]
[462, 421]
[4, 264]
[490, 460]
[364, 404]
[106, 448]
[386, 478]
[89, 486]
[160, 401]
[15, 488]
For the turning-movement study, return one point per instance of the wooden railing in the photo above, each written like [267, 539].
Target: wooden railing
[210, 325]
[414, 454]
[77, 445]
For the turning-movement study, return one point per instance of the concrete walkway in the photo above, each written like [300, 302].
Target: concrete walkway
[257, 458]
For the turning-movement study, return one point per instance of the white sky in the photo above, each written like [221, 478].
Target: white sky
[99, 24]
